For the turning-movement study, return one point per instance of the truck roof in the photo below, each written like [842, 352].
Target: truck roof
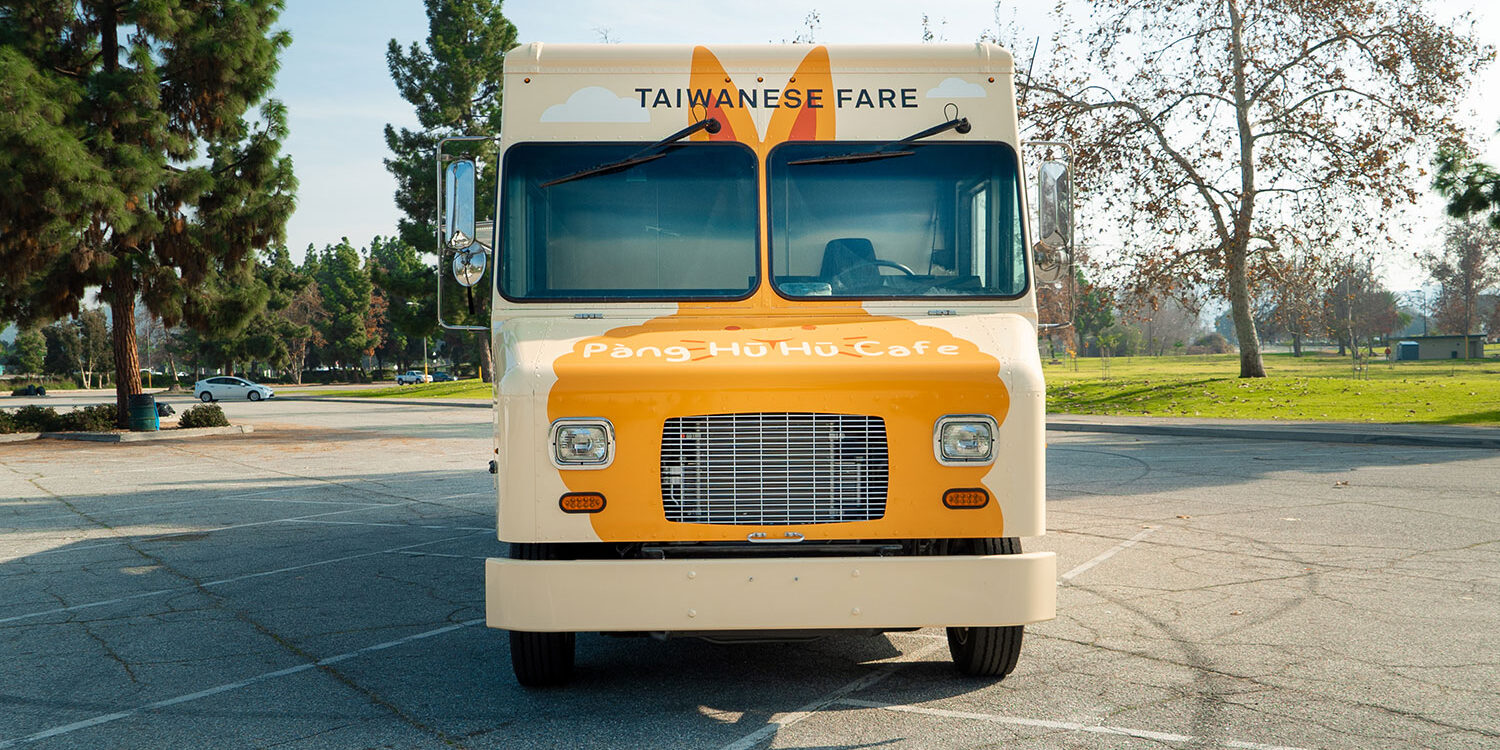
[540, 57]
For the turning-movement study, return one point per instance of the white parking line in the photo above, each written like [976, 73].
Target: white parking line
[1111, 552]
[116, 716]
[222, 581]
[390, 525]
[782, 721]
[161, 537]
[250, 497]
[1067, 726]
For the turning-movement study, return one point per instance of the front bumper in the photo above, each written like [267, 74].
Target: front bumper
[769, 594]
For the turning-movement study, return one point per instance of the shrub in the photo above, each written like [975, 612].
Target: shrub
[1214, 343]
[96, 418]
[203, 415]
[35, 418]
[7, 422]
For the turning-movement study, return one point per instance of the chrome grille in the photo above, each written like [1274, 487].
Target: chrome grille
[774, 469]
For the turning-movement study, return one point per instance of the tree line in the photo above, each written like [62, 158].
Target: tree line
[1244, 152]
[1342, 304]
[344, 311]
[141, 165]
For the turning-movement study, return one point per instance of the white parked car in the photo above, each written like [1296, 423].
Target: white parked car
[412, 377]
[227, 387]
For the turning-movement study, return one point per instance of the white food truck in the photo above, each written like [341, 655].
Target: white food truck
[764, 321]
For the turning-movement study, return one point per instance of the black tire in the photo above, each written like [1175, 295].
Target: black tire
[206, 397]
[254, 395]
[986, 651]
[540, 659]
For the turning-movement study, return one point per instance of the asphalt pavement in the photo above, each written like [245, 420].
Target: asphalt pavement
[318, 584]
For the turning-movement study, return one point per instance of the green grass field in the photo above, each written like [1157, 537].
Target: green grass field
[1312, 387]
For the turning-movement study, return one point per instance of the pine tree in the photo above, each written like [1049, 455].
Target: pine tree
[124, 123]
[344, 282]
[455, 85]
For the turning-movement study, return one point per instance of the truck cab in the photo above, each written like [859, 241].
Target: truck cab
[765, 332]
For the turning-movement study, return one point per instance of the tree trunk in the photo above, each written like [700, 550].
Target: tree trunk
[487, 371]
[1296, 345]
[122, 314]
[1244, 321]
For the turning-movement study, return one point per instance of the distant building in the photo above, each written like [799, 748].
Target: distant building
[1440, 347]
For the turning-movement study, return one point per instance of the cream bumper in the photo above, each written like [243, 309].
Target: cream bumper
[780, 593]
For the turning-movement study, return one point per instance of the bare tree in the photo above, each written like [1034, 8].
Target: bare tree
[1467, 264]
[1217, 131]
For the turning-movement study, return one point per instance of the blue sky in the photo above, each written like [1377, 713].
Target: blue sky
[339, 95]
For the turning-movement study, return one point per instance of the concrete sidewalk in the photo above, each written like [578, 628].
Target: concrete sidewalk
[1376, 433]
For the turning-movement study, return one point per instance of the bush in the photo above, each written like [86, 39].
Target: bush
[203, 415]
[96, 418]
[1214, 343]
[35, 418]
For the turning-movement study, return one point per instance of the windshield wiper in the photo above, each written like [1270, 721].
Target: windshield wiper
[649, 153]
[888, 150]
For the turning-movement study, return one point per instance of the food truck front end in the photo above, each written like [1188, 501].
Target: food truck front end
[772, 376]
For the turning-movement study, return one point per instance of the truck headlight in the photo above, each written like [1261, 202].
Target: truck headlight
[964, 439]
[586, 443]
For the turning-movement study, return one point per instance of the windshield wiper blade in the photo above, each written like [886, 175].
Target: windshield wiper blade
[649, 153]
[887, 151]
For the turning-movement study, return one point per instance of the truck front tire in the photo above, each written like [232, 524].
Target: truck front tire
[540, 659]
[986, 651]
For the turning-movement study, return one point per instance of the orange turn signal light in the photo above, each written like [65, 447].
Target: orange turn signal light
[581, 502]
[966, 498]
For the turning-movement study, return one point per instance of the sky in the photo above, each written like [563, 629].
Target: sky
[339, 94]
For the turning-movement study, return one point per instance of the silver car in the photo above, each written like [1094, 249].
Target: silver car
[228, 387]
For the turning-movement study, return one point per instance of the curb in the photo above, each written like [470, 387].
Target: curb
[1315, 434]
[139, 437]
[468, 404]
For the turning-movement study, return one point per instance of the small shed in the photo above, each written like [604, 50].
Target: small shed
[1441, 347]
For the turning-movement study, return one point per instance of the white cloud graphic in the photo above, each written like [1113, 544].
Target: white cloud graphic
[956, 88]
[597, 104]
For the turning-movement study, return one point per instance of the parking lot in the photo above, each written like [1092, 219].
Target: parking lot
[319, 583]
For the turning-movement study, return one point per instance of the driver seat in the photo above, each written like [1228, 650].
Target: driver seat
[852, 261]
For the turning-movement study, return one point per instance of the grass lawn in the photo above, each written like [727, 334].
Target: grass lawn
[1311, 387]
[472, 388]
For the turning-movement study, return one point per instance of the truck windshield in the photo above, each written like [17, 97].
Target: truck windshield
[941, 221]
[678, 227]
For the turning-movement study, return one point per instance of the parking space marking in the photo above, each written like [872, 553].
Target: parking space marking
[251, 497]
[775, 725]
[227, 687]
[389, 525]
[1066, 726]
[222, 581]
[439, 554]
[1111, 552]
[230, 527]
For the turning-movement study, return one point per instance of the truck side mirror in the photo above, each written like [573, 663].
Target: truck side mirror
[1054, 244]
[458, 223]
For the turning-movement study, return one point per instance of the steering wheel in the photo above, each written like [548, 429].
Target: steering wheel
[841, 279]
